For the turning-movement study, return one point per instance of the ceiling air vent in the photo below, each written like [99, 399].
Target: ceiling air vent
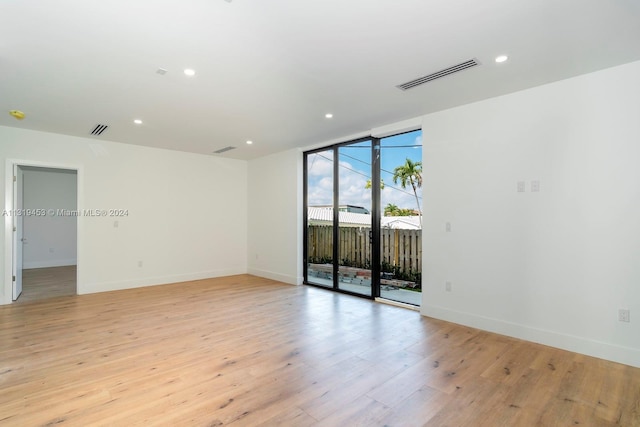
[222, 150]
[99, 129]
[442, 73]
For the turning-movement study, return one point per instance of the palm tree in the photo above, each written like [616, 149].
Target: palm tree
[367, 186]
[410, 173]
[391, 210]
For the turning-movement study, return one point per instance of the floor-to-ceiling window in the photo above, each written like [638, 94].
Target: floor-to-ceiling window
[354, 217]
[319, 241]
[401, 217]
[363, 217]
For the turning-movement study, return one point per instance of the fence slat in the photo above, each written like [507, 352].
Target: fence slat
[400, 248]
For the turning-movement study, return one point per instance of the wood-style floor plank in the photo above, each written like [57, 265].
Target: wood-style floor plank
[248, 351]
[48, 282]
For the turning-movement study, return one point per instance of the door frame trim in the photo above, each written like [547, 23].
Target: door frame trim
[7, 288]
[375, 226]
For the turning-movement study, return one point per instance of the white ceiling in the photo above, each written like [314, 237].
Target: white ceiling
[268, 71]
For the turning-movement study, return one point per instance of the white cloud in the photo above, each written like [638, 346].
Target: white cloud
[320, 192]
[403, 198]
[320, 164]
[352, 188]
[352, 185]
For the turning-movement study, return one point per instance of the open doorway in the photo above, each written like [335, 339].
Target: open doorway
[45, 241]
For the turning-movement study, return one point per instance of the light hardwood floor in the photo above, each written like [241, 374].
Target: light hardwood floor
[50, 282]
[247, 351]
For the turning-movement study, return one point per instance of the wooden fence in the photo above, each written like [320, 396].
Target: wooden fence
[400, 248]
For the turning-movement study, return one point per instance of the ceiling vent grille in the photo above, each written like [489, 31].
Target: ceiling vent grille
[222, 150]
[99, 129]
[442, 73]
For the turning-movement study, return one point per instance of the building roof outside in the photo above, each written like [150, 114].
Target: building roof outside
[324, 216]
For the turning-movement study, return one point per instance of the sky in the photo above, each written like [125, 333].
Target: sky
[355, 170]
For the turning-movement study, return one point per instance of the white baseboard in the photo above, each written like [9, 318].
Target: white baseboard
[589, 347]
[89, 288]
[48, 263]
[292, 280]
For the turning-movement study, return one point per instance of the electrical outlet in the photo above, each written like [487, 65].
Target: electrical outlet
[520, 186]
[139, 263]
[447, 227]
[447, 286]
[624, 315]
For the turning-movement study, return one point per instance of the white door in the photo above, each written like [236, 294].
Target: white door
[17, 231]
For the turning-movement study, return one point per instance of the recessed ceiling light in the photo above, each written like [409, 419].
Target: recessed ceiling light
[501, 58]
[189, 72]
[137, 121]
[328, 115]
[249, 142]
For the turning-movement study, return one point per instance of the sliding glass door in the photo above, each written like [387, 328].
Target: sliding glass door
[363, 225]
[401, 220]
[319, 241]
[354, 218]
[338, 233]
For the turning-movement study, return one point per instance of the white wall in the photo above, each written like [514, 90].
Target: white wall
[275, 219]
[50, 239]
[552, 266]
[187, 213]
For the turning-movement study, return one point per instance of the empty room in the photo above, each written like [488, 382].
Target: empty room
[321, 213]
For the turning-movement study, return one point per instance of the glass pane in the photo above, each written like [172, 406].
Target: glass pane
[320, 218]
[355, 218]
[401, 218]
